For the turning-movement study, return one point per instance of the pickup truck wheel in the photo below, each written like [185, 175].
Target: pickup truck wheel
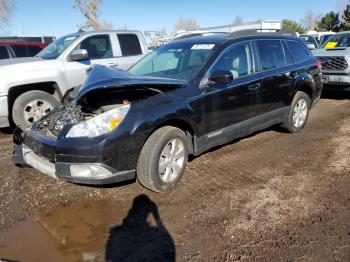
[163, 159]
[299, 113]
[31, 106]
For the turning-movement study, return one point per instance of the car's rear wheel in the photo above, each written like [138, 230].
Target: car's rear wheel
[163, 159]
[299, 113]
[31, 106]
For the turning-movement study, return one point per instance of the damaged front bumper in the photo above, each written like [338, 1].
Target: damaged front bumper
[80, 169]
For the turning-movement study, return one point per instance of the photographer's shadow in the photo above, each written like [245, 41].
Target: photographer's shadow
[141, 237]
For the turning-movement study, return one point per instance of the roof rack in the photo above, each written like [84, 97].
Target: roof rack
[254, 32]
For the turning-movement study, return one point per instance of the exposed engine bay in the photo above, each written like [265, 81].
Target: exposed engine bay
[96, 102]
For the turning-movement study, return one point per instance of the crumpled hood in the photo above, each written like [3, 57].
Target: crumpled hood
[343, 51]
[101, 77]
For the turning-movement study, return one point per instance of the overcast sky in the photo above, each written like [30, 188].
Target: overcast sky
[57, 17]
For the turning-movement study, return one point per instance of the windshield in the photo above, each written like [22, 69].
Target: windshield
[53, 50]
[339, 40]
[325, 38]
[178, 61]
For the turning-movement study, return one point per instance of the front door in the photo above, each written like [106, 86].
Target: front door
[100, 52]
[228, 104]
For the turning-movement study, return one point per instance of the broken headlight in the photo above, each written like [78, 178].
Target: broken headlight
[100, 124]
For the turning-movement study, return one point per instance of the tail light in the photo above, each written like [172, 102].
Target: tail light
[318, 64]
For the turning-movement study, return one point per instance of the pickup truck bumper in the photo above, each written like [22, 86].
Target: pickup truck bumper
[336, 82]
[4, 121]
[80, 172]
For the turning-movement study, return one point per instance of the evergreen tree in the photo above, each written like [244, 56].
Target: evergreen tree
[292, 25]
[346, 18]
[329, 22]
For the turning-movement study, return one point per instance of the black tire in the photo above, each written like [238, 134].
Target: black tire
[148, 164]
[289, 124]
[18, 109]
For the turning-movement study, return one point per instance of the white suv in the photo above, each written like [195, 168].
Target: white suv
[32, 87]
[335, 59]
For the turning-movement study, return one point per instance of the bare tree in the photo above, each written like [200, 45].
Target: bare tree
[310, 20]
[341, 6]
[91, 11]
[6, 12]
[238, 20]
[187, 24]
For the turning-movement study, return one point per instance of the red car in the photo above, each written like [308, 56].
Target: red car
[20, 49]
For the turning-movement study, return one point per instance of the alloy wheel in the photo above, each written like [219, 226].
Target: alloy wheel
[300, 113]
[172, 160]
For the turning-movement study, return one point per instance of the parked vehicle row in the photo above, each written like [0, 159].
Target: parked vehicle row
[20, 49]
[182, 99]
[47, 77]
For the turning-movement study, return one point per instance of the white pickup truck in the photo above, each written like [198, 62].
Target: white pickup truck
[32, 87]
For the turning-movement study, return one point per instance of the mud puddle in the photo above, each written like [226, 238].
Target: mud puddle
[90, 231]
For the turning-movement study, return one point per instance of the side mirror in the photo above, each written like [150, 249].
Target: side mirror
[79, 54]
[311, 46]
[221, 77]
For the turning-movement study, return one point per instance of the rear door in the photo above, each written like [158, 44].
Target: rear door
[128, 49]
[277, 83]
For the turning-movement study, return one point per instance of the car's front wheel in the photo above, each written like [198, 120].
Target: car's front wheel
[31, 106]
[299, 113]
[163, 159]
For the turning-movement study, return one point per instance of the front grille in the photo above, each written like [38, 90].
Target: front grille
[333, 62]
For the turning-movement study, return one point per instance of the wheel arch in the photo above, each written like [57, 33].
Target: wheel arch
[184, 126]
[306, 87]
[50, 87]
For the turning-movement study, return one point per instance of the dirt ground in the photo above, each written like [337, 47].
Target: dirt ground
[272, 196]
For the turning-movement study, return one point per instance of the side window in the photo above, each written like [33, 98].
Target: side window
[3, 52]
[271, 54]
[33, 50]
[238, 59]
[298, 51]
[129, 44]
[289, 57]
[98, 47]
[20, 50]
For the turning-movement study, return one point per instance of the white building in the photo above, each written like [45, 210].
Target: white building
[262, 25]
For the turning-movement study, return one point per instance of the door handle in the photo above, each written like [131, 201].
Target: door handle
[113, 64]
[254, 86]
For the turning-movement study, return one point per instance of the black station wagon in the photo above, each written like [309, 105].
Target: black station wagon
[182, 99]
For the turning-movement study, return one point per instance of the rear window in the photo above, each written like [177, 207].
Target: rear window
[129, 44]
[20, 50]
[33, 50]
[3, 52]
[271, 54]
[298, 51]
[97, 46]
